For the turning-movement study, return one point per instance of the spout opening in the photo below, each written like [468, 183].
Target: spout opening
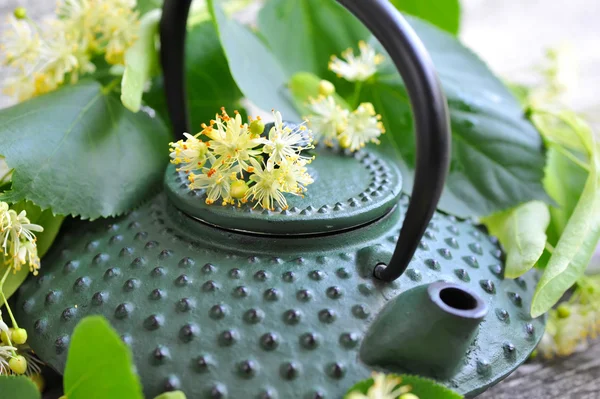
[457, 300]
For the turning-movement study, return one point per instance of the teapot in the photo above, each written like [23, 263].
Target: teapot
[354, 277]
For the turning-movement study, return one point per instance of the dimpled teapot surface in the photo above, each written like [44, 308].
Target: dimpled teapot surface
[219, 313]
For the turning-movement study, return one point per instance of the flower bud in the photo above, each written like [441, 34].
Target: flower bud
[18, 364]
[257, 126]
[238, 189]
[39, 381]
[20, 13]
[408, 395]
[6, 336]
[326, 88]
[563, 310]
[19, 336]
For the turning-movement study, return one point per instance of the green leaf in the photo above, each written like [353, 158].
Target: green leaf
[445, 14]
[79, 151]
[18, 388]
[521, 232]
[304, 34]
[497, 154]
[99, 364]
[422, 387]
[144, 6]
[564, 182]
[580, 236]
[140, 60]
[256, 71]
[304, 86]
[171, 395]
[209, 86]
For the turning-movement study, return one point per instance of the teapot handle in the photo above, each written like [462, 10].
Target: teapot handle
[427, 99]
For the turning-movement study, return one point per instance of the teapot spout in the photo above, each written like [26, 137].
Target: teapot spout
[426, 330]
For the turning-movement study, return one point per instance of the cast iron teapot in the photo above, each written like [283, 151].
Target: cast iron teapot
[228, 302]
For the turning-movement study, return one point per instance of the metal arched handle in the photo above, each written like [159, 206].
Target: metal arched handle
[427, 99]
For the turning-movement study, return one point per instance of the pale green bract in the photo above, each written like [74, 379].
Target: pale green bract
[140, 61]
[522, 233]
[580, 236]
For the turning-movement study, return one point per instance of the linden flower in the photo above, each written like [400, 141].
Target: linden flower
[327, 119]
[42, 57]
[6, 353]
[21, 43]
[364, 126]
[356, 69]
[216, 182]
[17, 240]
[283, 142]
[267, 190]
[293, 176]
[384, 387]
[231, 141]
[190, 154]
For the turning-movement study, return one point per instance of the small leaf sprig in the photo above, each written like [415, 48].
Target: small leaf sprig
[231, 165]
[329, 117]
[17, 249]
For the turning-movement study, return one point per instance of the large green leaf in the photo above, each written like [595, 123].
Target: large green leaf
[522, 233]
[210, 85]
[18, 388]
[99, 364]
[257, 72]
[79, 151]
[445, 14]
[564, 182]
[497, 154]
[141, 60]
[304, 34]
[578, 240]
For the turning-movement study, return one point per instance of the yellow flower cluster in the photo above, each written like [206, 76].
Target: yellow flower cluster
[572, 323]
[356, 68]
[353, 130]
[45, 57]
[17, 240]
[385, 387]
[238, 164]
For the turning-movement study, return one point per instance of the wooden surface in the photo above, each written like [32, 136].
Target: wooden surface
[511, 35]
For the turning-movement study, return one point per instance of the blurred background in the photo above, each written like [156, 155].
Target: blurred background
[511, 36]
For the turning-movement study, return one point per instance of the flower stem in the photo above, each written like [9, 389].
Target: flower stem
[110, 87]
[356, 95]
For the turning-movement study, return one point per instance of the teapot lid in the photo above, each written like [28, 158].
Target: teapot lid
[348, 191]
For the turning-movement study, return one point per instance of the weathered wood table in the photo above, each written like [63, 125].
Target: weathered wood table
[579, 375]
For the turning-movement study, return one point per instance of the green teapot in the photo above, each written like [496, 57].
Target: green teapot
[234, 302]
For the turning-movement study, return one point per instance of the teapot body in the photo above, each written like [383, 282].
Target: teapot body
[218, 313]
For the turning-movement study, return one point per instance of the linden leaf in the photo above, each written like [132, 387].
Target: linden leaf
[99, 364]
[141, 60]
[79, 151]
[18, 388]
[257, 72]
[578, 240]
[521, 232]
[444, 14]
